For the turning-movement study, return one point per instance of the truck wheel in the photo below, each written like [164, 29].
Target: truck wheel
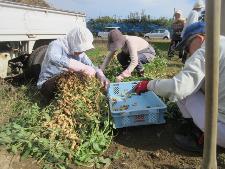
[34, 63]
[165, 37]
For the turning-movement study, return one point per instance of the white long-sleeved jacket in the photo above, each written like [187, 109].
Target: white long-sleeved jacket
[191, 79]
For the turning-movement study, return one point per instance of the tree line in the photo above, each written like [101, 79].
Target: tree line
[135, 23]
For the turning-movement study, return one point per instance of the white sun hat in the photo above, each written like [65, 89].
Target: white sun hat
[199, 4]
[79, 39]
[178, 12]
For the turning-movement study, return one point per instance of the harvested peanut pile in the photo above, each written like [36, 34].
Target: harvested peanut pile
[79, 107]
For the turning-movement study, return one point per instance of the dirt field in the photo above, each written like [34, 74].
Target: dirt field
[152, 147]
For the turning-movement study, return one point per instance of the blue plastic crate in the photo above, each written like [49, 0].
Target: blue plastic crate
[134, 110]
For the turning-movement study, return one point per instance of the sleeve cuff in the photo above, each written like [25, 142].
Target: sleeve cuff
[151, 85]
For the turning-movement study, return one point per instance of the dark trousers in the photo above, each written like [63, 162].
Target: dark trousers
[124, 60]
[48, 89]
[182, 53]
[172, 46]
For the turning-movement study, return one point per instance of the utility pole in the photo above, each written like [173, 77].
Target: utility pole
[222, 18]
[213, 7]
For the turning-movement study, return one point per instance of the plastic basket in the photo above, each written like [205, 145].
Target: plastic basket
[134, 110]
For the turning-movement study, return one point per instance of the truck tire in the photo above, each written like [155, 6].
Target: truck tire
[165, 37]
[34, 63]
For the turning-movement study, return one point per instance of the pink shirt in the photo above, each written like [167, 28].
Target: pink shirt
[132, 45]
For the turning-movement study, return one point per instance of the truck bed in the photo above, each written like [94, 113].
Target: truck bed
[26, 22]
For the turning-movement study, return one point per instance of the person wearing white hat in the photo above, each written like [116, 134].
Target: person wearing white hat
[194, 14]
[67, 54]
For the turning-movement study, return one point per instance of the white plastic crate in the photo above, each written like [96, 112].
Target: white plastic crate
[134, 110]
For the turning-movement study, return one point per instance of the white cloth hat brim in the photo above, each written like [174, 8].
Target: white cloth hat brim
[83, 47]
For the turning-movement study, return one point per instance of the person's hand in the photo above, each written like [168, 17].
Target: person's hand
[124, 74]
[104, 81]
[141, 87]
[119, 78]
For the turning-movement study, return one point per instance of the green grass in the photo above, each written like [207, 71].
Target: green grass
[13, 100]
[98, 53]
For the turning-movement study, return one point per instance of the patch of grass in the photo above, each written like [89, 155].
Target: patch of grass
[156, 68]
[11, 99]
[161, 46]
[221, 159]
[97, 54]
[173, 111]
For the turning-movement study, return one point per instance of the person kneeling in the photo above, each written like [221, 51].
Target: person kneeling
[135, 52]
[67, 54]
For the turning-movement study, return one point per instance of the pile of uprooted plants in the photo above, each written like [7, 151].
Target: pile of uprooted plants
[74, 129]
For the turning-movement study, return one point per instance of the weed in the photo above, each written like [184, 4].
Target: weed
[173, 111]
[221, 159]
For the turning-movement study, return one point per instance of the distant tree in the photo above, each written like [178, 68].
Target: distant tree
[105, 19]
[162, 21]
[144, 18]
[149, 17]
[136, 22]
[133, 17]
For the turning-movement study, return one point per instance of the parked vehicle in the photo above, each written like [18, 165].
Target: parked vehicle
[27, 31]
[158, 33]
[104, 33]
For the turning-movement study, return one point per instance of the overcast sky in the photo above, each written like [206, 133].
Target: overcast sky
[122, 8]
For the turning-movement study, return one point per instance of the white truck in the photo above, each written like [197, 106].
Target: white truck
[26, 30]
[105, 32]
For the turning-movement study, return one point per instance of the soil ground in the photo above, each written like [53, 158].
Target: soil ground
[152, 147]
